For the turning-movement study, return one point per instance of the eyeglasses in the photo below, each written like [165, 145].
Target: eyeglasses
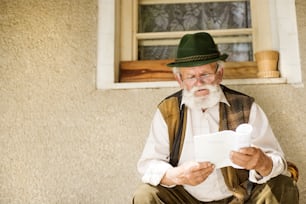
[204, 78]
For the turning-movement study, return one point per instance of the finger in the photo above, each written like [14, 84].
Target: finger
[204, 165]
[248, 150]
[199, 166]
[240, 159]
[193, 167]
[200, 176]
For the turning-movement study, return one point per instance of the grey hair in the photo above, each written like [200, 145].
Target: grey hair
[220, 63]
[176, 70]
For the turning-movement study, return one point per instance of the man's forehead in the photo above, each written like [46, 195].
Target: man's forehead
[202, 68]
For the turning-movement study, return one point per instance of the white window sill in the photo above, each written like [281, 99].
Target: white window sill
[170, 84]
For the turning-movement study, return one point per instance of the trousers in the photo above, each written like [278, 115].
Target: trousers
[280, 189]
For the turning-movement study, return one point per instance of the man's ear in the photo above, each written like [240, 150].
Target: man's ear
[219, 74]
[178, 78]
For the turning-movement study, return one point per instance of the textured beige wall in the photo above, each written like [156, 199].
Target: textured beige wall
[61, 140]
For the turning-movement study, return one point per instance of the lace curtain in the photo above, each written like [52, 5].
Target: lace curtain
[195, 16]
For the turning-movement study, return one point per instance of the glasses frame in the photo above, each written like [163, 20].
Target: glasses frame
[204, 78]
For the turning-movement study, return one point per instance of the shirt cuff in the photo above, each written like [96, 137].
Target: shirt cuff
[277, 169]
[155, 172]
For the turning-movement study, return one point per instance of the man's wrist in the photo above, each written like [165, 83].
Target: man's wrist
[170, 178]
[266, 168]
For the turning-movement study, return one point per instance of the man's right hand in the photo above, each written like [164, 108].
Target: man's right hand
[189, 173]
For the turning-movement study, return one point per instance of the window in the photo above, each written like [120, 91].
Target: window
[158, 25]
[266, 33]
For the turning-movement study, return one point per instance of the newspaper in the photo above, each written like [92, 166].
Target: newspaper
[216, 147]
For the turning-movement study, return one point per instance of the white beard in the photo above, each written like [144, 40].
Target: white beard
[204, 102]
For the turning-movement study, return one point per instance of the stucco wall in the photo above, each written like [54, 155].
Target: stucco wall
[61, 140]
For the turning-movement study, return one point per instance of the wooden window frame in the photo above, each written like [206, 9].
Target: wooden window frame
[132, 70]
[109, 78]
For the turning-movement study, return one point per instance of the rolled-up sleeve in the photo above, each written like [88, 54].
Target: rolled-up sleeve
[154, 161]
[264, 138]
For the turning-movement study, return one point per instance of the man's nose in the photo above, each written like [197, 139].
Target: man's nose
[199, 81]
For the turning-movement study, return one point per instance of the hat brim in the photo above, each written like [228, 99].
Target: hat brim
[197, 63]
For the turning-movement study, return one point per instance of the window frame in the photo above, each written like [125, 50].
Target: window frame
[129, 44]
[282, 28]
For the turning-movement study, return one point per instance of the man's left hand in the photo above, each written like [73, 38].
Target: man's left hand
[253, 158]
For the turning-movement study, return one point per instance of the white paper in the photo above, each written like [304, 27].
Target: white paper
[216, 147]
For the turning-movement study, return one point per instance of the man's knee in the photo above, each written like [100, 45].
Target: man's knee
[145, 193]
[281, 189]
[282, 183]
[284, 187]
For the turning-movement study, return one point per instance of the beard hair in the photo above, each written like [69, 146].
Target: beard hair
[202, 102]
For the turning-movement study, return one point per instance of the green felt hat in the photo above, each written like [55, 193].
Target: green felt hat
[195, 50]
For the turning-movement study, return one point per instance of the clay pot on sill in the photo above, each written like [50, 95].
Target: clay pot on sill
[267, 63]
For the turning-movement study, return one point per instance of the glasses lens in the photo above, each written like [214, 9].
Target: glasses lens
[206, 78]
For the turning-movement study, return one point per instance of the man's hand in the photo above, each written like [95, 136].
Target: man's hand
[253, 158]
[189, 173]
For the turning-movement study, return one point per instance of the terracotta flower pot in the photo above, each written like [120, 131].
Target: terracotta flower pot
[267, 63]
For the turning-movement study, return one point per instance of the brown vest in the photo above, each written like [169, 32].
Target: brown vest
[230, 117]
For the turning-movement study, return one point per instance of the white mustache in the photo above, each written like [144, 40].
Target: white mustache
[204, 102]
[211, 88]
